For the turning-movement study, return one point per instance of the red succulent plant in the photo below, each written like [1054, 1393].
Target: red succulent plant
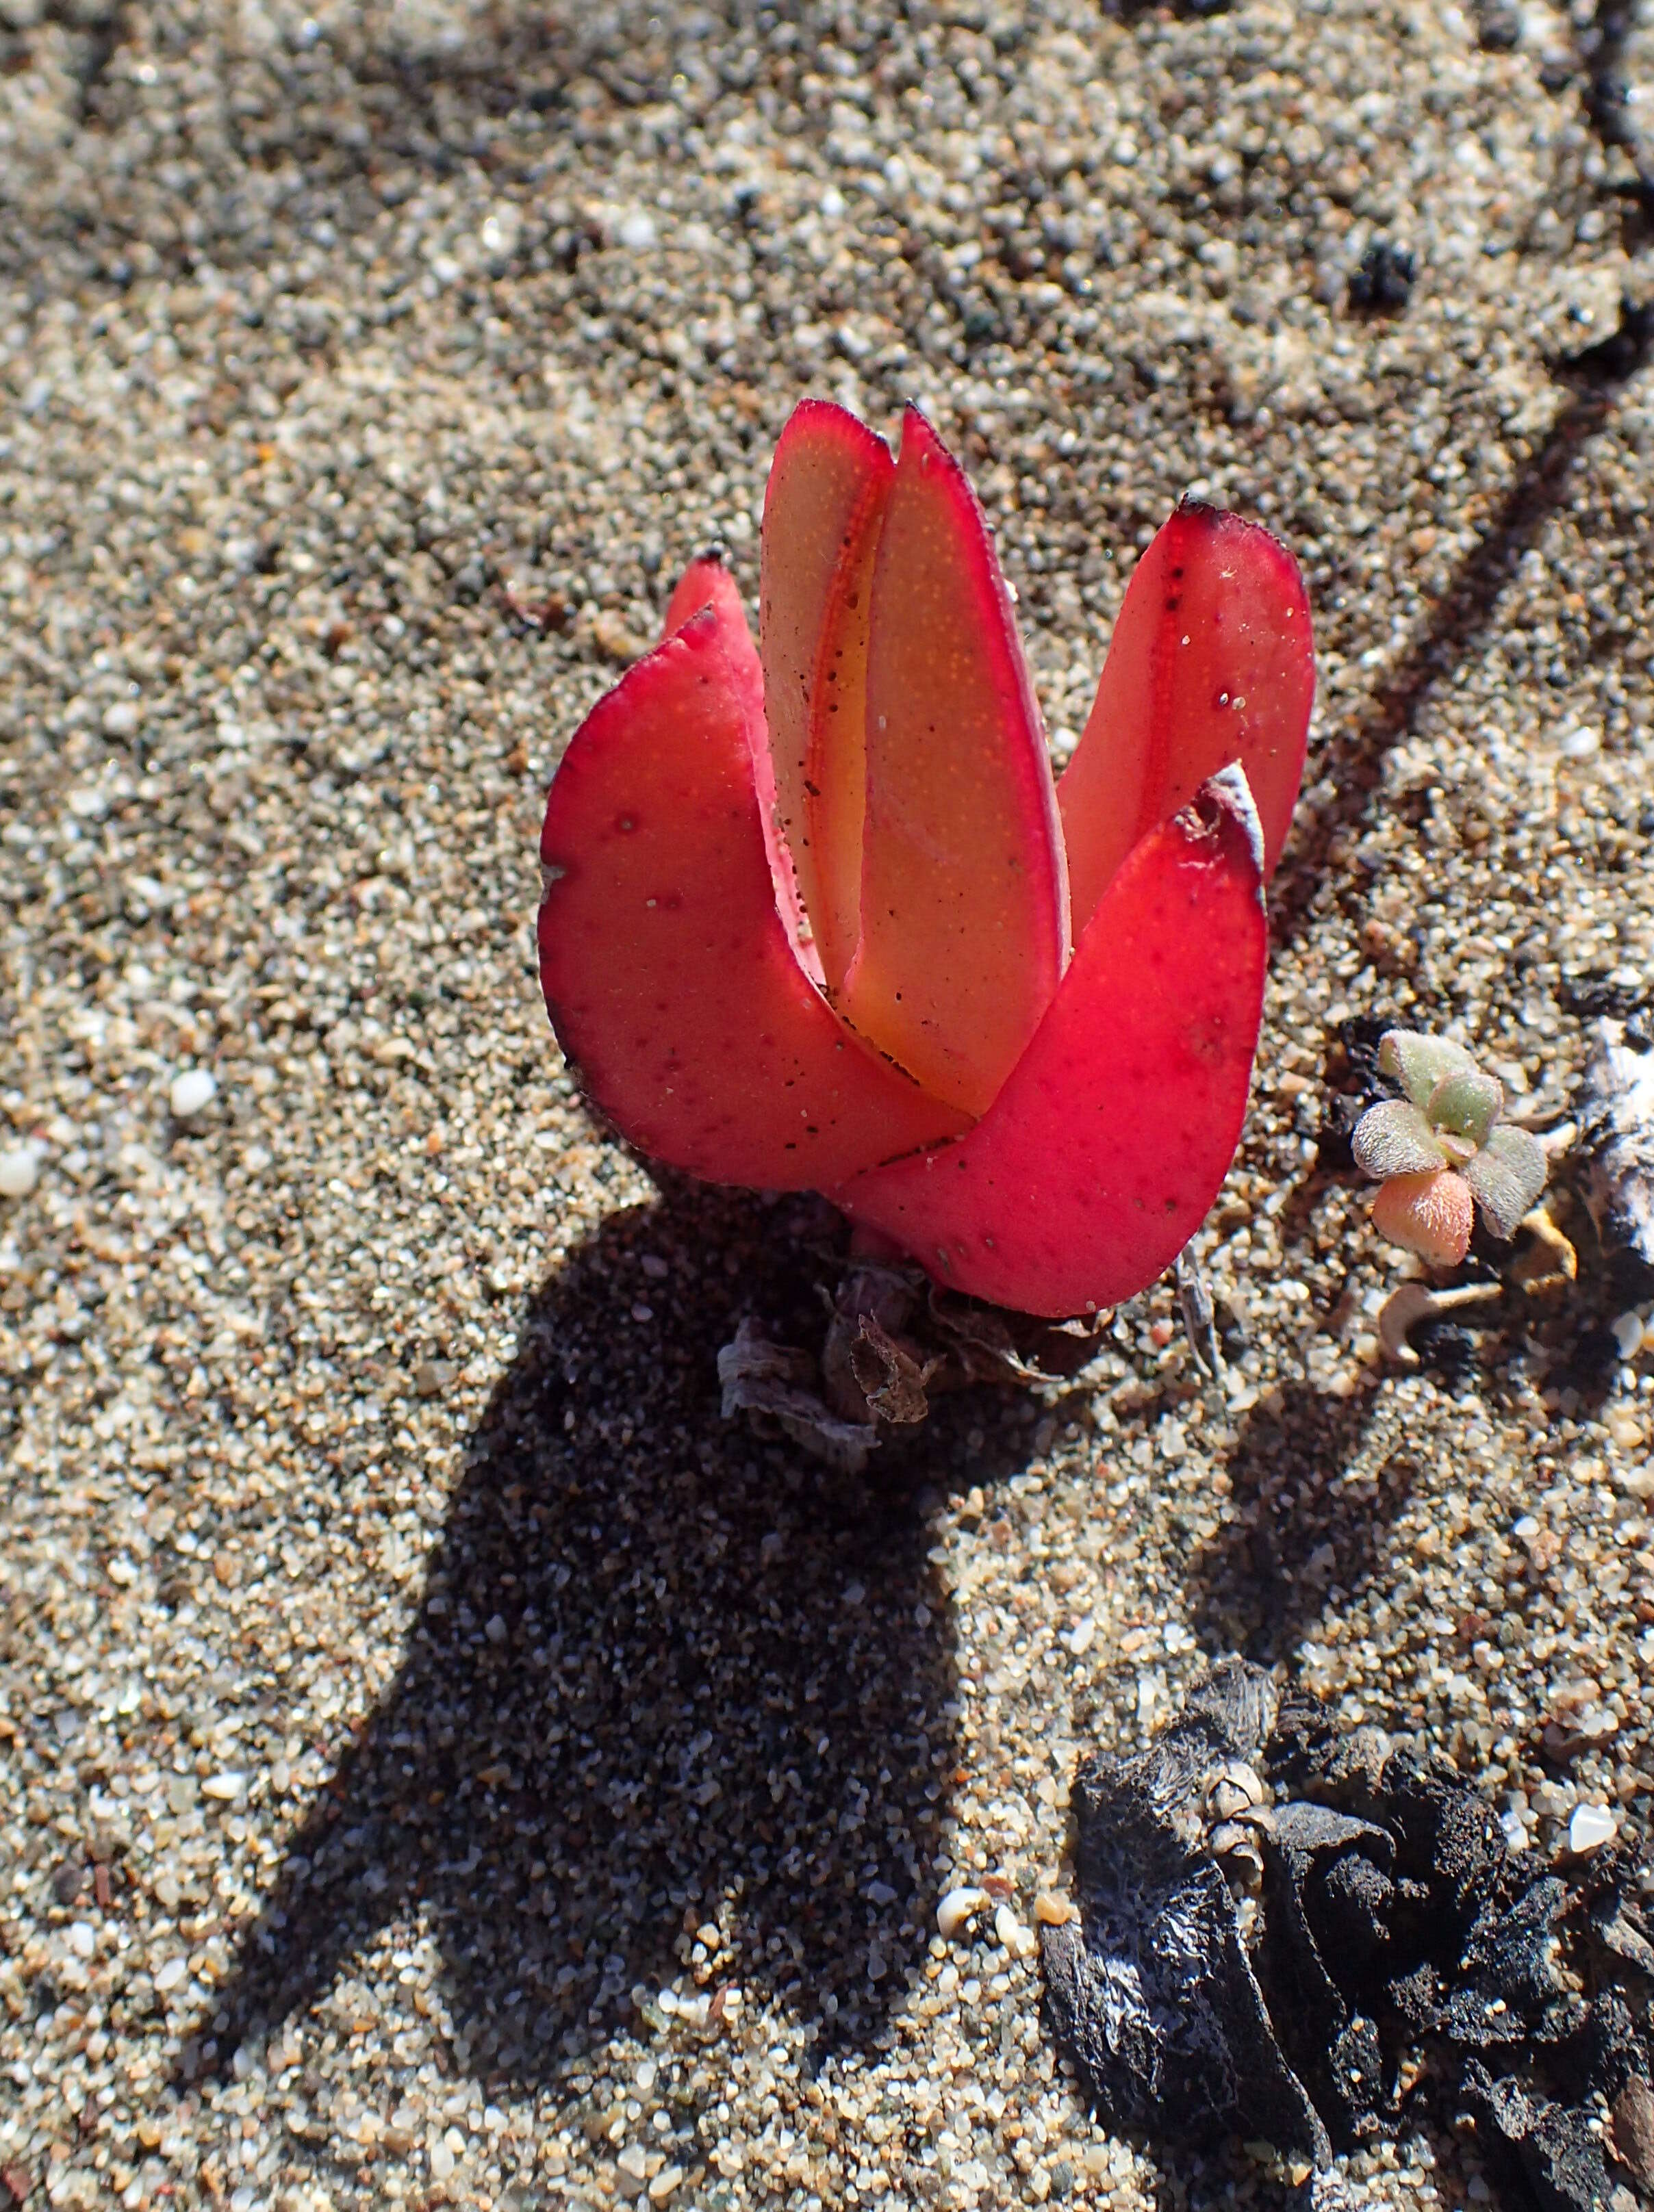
[817, 916]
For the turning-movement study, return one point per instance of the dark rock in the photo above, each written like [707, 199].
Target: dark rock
[1382, 284]
[1499, 26]
[1388, 1919]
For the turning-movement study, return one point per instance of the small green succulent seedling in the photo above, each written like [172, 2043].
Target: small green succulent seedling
[1442, 1150]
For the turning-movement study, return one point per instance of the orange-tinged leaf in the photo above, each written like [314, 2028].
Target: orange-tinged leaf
[1211, 661]
[826, 500]
[707, 583]
[1100, 1157]
[667, 969]
[965, 904]
[1430, 1214]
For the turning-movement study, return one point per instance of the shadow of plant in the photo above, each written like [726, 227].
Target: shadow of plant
[660, 1675]
[1308, 1521]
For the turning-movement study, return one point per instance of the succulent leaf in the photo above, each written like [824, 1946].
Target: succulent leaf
[1468, 1103]
[1429, 1214]
[1394, 1138]
[1507, 1176]
[706, 584]
[828, 485]
[965, 895]
[1418, 1062]
[667, 967]
[1101, 1155]
[1211, 661]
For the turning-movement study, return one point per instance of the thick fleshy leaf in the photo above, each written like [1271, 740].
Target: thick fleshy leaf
[1429, 1214]
[1394, 1138]
[828, 487]
[707, 583]
[1418, 1062]
[1099, 1158]
[1469, 1104]
[667, 969]
[1507, 1174]
[965, 901]
[1211, 661]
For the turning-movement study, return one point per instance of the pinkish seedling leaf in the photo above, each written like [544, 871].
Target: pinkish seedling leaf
[1211, 661]
[828, 485]
[1429, 1214]
[667, 971]
[1107, 1143]
[1418, 1062]
[1507, 1176]
[965, 901]
[1393, 1139]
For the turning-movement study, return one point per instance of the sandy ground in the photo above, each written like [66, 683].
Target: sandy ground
[443, 1760]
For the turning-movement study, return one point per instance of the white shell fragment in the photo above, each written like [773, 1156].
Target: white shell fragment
[1590, 1827]
[191, 1093]
[956, 1907]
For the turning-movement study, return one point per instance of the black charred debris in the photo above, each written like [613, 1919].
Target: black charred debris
[1292, 1931]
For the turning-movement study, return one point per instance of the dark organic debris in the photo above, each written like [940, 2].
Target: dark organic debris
[776, 1383]
[894, 1342]
[1198, 1316]
[1382, 282]
[1619, 355]
[1615, 1110]
[1288, 1929]
[1499, 26]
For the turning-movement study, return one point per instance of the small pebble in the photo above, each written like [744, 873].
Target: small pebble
[225, 1787]
[1010, 1931]
[191, 1093]
[664, 2183]
[19, 1171]
[442, 2162]
[636, 231]
[82, 1939]
[1590, 1827]
[1052, 1911]
[1580, 745]
[956, 1907]
[1627, 1333]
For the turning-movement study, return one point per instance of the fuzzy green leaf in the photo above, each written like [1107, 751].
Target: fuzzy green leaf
[1507, 1174]
[1418, 1063]
[1394, 1139]
[1469, 1102]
